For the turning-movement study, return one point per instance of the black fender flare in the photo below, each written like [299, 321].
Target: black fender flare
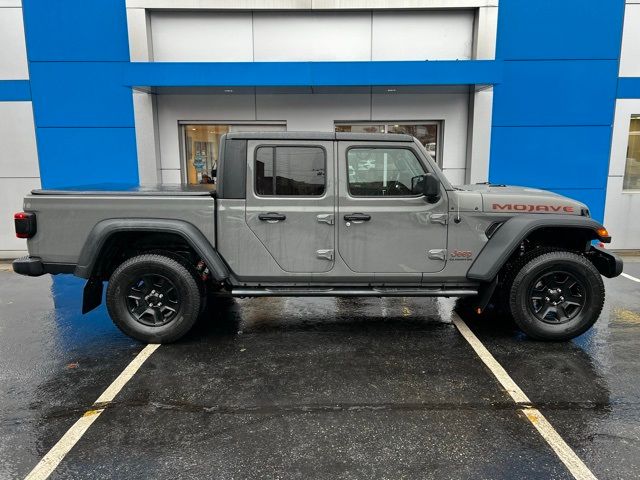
[512, 232]
[104, 229]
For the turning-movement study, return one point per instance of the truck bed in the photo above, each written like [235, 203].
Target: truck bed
[116, 189]
[66, 216]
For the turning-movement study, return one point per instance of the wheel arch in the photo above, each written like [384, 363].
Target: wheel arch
[108, 234]
[571, 232]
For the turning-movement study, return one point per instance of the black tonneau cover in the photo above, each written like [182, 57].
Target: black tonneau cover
[135, 190]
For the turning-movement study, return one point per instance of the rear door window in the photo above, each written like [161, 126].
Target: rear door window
[290, 171]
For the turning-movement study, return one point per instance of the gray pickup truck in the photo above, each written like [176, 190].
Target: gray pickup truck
[321, 214]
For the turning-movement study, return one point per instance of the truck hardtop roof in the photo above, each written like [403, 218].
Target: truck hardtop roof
[365, 137]
[107, 189]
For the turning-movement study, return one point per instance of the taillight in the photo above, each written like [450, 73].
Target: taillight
[25, 224]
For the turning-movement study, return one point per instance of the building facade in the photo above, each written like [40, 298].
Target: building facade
[541, 93]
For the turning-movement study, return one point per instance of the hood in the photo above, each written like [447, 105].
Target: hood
[503, 198]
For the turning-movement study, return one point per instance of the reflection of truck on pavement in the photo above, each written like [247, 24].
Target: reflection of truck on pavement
[324, 214]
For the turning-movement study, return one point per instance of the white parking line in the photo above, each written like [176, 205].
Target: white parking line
[50, 461]
[626, 275]
[573, 463]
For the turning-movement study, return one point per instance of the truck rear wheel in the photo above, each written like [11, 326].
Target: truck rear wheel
[153, 298]
[556, 296]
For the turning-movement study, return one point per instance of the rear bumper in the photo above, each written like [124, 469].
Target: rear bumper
[34, 267]
[608, 264]
[30, 266]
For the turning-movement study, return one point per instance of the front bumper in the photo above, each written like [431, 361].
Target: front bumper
[30, 266]
[608, 264]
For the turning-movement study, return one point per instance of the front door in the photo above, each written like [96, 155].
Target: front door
[382, 226]
[291, 200]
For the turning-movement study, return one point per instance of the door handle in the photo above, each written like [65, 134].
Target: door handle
[357, 217]
[272, 217]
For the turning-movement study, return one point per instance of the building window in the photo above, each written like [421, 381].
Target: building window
[290, 171]
[426, 132]
[201, 152]
[375, 172]
[201, 145]
[632, 170]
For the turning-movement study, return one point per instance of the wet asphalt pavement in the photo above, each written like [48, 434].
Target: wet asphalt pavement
[314, 388]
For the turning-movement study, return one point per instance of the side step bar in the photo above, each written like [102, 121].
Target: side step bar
[351, 292]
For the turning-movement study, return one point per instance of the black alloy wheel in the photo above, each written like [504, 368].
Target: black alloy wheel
[557, 296]
[153, 300]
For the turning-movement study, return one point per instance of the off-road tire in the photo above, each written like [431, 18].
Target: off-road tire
[186, 289]
[565, 263]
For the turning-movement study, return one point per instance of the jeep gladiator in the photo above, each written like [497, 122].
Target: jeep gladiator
[321, 214]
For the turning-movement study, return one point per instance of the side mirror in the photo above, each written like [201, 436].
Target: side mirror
[428, 185]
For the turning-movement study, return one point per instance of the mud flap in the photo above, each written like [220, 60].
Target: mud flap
[485, 293]
[92, 295]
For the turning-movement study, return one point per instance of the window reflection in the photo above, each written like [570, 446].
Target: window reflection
[632, 168]
[425, 132]
[201, 149]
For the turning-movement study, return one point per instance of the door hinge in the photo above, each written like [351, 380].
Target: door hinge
[439, 218]
[325, 218]
[437, 254]
[327, 253]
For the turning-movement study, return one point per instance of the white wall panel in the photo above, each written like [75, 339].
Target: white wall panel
[455, 175]
[309, 36]
[171, 176]
[621, 207]
[620, 136]
[479, 135]
[422, 35]
[451, 107]
[147, 145]
[630, 55]
[18, 154]
[621, 210]
[202, 37]
[175, 108]
[12, 192]
[13, 52]
[313, 112]
[314, 36]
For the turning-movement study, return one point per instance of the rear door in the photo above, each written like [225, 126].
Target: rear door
[291, 200]
[382, 226]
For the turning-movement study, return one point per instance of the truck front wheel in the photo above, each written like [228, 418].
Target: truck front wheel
[556, 296]
[153, 298]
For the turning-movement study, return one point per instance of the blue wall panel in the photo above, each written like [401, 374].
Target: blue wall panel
[574, 92]
[15, 90]
[629, 87]
[553, 111]
[167, 74]
[77, 52]
[550, 157]
[81, 94]
[76, 30]
[560, 29]
[85, 156]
